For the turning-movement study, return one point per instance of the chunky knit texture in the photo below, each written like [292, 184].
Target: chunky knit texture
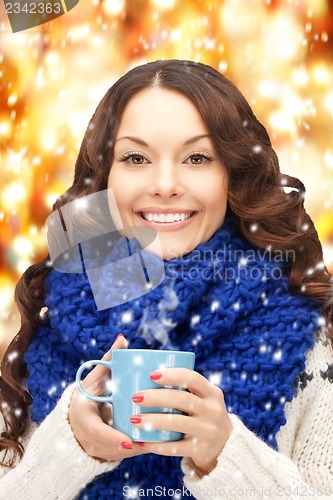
[234, 310]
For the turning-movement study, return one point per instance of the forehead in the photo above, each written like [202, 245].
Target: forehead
[160, 109]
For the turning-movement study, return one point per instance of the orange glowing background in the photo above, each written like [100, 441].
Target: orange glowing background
[278, 52]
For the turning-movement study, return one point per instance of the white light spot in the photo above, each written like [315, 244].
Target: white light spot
[52, 390]
[321, 321]
[257, 148]
[263, 348]
[215, 378]
[215, 305]
[127, 317]
[195, 319]
[138, 360]
[13, 355]
[277, 356]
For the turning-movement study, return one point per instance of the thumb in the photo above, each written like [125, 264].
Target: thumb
[95, 380]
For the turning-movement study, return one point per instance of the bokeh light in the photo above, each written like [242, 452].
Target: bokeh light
[279, 53]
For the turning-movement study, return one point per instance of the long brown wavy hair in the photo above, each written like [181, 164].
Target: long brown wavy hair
[256, 197]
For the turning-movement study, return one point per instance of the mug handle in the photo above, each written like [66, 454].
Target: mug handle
[84, 366]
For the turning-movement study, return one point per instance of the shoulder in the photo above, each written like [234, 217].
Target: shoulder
[319, 364]
[310, 412]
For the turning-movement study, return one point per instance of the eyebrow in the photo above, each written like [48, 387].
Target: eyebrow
[143, 143]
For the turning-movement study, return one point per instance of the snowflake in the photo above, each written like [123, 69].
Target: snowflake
[195, 319]
[12, 355]
[236, 306]
[242, 262]
[215, 378]
[257, 148]
[52, 390]
[214, 306]
[263, 348]
[196, 340]
[254, 228]
[277, 356]
[127, 317]
[321, 321]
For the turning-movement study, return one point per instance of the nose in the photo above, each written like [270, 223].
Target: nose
[167, 180]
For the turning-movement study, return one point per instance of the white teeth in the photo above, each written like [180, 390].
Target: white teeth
[166, 217]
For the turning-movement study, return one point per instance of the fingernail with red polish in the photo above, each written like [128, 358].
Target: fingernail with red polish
[126, 445]
[137, 398]
[140, 444]
[135, 419]
[120, 335]
[155, 375]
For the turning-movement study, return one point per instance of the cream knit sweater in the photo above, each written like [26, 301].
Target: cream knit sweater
[54, 465]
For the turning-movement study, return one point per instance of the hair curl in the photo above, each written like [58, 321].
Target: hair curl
[256, 199]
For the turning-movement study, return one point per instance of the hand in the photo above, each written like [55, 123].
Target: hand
[98, 439]
[207, 425]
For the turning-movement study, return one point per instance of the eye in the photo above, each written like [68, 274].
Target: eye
[198, 158]
[134, 158]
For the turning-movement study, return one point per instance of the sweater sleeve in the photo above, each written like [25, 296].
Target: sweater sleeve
[303, 466]
[54, 465]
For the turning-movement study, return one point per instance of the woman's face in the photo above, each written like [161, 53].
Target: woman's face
[165, 174]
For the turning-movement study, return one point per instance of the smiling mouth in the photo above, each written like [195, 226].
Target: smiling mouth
[166, 218]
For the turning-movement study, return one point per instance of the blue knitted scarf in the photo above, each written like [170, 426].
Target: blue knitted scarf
[227, 301]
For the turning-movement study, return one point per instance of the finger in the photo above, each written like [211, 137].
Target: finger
[166, 422]
[169, 398]
[104, 441]
[181, 448]
[119, 343]
[185, 378]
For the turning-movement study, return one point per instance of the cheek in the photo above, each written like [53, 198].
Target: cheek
[214, 195]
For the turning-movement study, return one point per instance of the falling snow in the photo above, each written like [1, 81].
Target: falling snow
[215, 378]
[277, 355]
[214, 305]
[127, 317]
[195, 319]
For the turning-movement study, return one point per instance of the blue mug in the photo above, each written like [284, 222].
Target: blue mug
[130, 374]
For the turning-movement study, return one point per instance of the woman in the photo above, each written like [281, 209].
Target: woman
[183, 154]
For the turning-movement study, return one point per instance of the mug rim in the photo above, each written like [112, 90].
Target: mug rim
[153, 351]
